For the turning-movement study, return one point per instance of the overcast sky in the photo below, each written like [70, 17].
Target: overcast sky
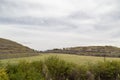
[47, 24]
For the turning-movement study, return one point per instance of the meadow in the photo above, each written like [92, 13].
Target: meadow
[60, 67]
[76, 59]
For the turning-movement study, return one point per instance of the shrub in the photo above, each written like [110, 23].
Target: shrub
[54, 68]
[78, 73]
[57, 69]
[39, 67]
[23, 71]
[3, 74]
[107, 70]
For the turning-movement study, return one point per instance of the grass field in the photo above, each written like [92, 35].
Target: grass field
[76, 59]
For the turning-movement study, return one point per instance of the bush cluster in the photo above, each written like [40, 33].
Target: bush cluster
[3, 74]
[54, 68]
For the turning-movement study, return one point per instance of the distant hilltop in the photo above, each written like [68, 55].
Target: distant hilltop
[109, 51]
[11, 49]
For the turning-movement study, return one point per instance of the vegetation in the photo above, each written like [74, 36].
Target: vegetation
[25, 71]
[3, 74]
[76, 59]
[58, 66]
[11, 49]
[54, 68]
[108, 51]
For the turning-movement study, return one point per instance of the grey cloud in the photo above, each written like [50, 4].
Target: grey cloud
[111, 17]
[108, 22]
[115, 34]
[80, 15]
[11, 8]
[45, 22]
[114, 14]
[19, 4]
[105, 26]
[86, 26]
[48, 21]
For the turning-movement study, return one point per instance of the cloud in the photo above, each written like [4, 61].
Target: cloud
[44, 24]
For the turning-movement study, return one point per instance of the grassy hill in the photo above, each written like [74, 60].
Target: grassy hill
[109, 51]
[11, 49]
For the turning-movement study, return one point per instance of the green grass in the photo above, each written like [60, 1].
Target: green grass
[76, 59]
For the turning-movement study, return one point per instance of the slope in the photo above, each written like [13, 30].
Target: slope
[109, 51]
[11, 49]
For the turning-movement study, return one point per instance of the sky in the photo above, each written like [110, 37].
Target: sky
[48, 24]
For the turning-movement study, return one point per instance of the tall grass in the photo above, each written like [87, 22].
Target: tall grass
[58, 69]
[3, 74]
[53, 68]
[25, 71]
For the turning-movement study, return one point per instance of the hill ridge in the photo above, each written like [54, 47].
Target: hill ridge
[110, 51]
[12, 49]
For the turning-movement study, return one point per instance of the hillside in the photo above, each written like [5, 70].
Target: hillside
[11, 49]
[109, 51]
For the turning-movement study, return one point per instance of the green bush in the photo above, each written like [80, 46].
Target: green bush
[3, 74]
[57, 69]
[38, 65]
[54, 68]
[23, 71]
[107, 70]
[78, 73]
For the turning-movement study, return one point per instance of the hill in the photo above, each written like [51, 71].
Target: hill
[11, 49]
[109, 51]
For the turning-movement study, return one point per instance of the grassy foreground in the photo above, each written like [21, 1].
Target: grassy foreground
[60, 67]
[76, 59]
